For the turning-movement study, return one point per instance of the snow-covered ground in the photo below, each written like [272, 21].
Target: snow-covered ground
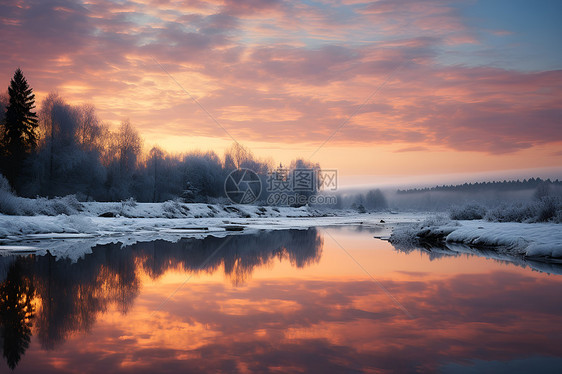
[531, 240]
[72, 236]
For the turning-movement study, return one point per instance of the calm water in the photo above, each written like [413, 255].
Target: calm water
[285, 301]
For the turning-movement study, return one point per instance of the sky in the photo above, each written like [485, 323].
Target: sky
[384, 91]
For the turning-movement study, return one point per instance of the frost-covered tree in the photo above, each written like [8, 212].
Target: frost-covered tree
[18, 136]
[542, 190]
[161, 177]
[203, 174]
[155, 161]
[68, 159]
[90, 132]
[123, 159]
[129, 145]
[236, 155]
[303, 176]
[375, 200]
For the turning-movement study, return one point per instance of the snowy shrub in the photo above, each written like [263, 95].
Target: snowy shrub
[67, 205]
[130, 203]
[72, 203]
[174, 209]
[170, 206]
[437, 220]
[405, 235]
[4, 184]
[410, 235]
[467, 212]
[558, 217]
[14, 205]
[516, 212]
[126, 209]
[59, 207]
[547, 209]
[9, 203]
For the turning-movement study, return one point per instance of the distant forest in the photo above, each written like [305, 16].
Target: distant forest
[64, 149]
[518, 185]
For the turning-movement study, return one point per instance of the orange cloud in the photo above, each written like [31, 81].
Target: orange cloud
[298, 71]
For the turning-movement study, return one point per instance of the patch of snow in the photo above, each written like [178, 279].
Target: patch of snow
[522, 239]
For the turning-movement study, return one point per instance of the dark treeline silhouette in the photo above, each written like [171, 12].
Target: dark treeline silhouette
[70, 295]
[66, 149]
[518, 185]
[486, 195]
[529, 194]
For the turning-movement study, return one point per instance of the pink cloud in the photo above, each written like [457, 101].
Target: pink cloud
[103, 52]
[412, 149]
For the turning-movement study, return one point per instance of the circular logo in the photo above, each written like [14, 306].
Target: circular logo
[242, 186]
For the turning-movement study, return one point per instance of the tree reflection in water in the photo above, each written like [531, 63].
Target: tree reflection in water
[69, 296]
[16, 313]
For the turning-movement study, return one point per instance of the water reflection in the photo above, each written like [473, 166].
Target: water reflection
[16, 313]
[550, 266]
[317, 318]
[69, 296]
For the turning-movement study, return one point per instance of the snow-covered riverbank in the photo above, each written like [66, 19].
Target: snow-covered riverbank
[532, 240]
[127, 223]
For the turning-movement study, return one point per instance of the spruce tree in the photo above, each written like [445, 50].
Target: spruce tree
[19, 137]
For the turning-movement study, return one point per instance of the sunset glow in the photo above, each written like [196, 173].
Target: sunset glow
[405, 87]
[327, 314]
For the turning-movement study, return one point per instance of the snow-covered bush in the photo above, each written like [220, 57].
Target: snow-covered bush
[9, 203]
[66, 205]
[547, 209]
[405, 235]
[558, 217]
[4, 184]
[174, 209]
[516, 212]
[413, 234]
[129, 203]
[467, 212]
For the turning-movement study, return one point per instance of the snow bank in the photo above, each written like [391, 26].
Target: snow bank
[521, 239]
[75, 235]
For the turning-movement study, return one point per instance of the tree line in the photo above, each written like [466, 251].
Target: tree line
[66, 149]
[512, 185]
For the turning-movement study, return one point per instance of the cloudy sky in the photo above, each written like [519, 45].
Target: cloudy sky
[381, 90]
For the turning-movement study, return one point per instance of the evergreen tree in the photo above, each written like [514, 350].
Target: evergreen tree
[19, 137]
